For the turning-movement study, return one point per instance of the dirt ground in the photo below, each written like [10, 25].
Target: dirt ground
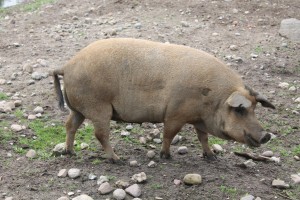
[56, 31]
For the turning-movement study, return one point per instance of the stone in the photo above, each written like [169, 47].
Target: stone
[119, 194]
[31, 153]
[6, 107]
[268, 153]
[59, 149]
[62, 173]
[27, 68]
[151, 154]
[249, 163]
[247, 197]
[283, 85]
[297, 100]
[38, 109]
[84, 146]
[63, 198]
[192, 179]
[133, 163]
[18, 103]
[122, 184]
[184, 24]
[71, 193]
[105, 188]
[139, 178]
[176, 139]
[290, 28]
[152, 164]
[155, 133]
[157, 140]
[138, 25]
[102, 179]
[292, 88]
[83, 197]
[182, 150]
[233, 47]
[217, 148]
[134, 190]
[129, 127]
[2, 81]
[16, 127]
[142, 140]
[9, 198]
[125, 133]
[36, 76]
[296, 178]
[280, 184]
[177, 182]
[74, 173]
[136, 199]
[297, 158]
[92, 177]
[275, 159]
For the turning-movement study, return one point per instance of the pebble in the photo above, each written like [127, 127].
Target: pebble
[182, 150]
[275, 159]
[155, 133]
[283, 85]
[74, 173]
[92, 177]
[125, 133]
[136, 199]
[142, 140]
[63, 198]
[62, 173]
[292, 88]
[138, 25]
[84, 146]
[134, 190]
[296, 178]
[102, 179]
[177, 182]
[71, 193]
[129, 127]
[176, 139]
[152, 164]
[6, 106]
[249, 163]
[280, 184]
[297, 100]
[247, 197]
[192, 179]
[18, 103]
[2, 81]
[27, 68]
[133, 163]
[31, 153]
[268, 153]
[235, 11]
[8, 198]
[139, 178]
[119, 194]
[184, 24]
[16, 127]
[122, 184]
[297, 158]
[38, 109]
[105, 188]
[83, 197]
[217, 148]
[36, 76]
[157, 140]
[59, 149]
[233, 47]
[151, 154]
[215, 34]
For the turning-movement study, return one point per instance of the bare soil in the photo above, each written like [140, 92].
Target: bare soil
[56, 31]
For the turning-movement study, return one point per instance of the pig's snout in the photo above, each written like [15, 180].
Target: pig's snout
[265, 137]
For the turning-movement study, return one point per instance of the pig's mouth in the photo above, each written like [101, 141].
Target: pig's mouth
[250, 141]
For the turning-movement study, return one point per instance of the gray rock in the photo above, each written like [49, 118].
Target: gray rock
[122, 184]
[176, 139]
[275, 159]
[119, 194]
[129, 127]
[280, 184]
[6, 107]
[2, 81]
[268, 153]
[102, 179]
[43, 63]
[184, 24]
[233, 47]
[283, 85]
[152, 164]
[125, 133]
[290, 28]
[105, 188]
[8, 198]
[292, 88]
[36, 76]
[142, 140]
[139, 178]
[249, 163]
[74, 173]
[177, 182]
[59, 149]
[27, 68]
[217, 148]
[138, 25]
[155, 133]
[134, 190]
[192, 179]
[182, 150]
[151, 154]
[297, 158]
[16, 127]
[157, 140]
[247, 197]
[62, 173]
[18, 103]
[133, 163]
[83, 197]
[31, 153]
[92, 177]
[84, 146]
[38, 109]
[63, 198]
[296, 178]
[136, 199]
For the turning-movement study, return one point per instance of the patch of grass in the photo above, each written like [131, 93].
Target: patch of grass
[258, 49]
[296, 150]
[19, 113]
[3, 96]
[5, 134]
[96, 162]
[35, 5]
[214, 140]
[231, 191]
[156, 186]
[131, 140]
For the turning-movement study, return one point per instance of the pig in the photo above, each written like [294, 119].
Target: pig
[136, 81]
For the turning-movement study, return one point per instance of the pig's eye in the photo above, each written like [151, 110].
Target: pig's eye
[240, 110]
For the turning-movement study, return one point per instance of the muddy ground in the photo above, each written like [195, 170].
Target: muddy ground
[55, 31]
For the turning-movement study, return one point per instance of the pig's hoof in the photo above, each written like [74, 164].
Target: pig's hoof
[116, 161]
[68, 152]
[165, 155]
[210, 157]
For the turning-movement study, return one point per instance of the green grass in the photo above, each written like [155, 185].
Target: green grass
[35, 5]
[5, 135]
[230, 191]
[156, 186]
[3, 96]
[296, 150]
[214, 140]
[258, 49]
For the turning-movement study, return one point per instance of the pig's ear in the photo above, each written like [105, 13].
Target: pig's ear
[236, 99]
[264, 101]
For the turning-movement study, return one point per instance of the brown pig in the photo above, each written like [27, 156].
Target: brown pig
[137, 81]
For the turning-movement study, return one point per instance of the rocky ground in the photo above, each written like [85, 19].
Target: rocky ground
[247, 35]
